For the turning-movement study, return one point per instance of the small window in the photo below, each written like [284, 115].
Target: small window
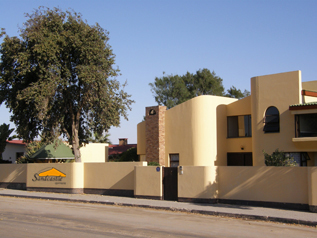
[272, 120]
[239, 126]
[174, 160]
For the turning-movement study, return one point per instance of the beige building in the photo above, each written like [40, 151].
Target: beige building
[280, 113]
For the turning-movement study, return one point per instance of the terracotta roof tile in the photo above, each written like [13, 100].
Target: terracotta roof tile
[16, 142]
[119, 149]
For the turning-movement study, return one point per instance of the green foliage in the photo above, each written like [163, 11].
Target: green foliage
[31, 148]
[153, 164]
[57, 78]
[233, 92]
[171, 90]
[97, 138]
[5, 133]
[278, 158]
[129, 155]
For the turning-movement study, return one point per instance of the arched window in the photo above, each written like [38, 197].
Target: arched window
[272, 120]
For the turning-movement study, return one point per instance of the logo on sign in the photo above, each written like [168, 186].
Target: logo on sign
[50, 174]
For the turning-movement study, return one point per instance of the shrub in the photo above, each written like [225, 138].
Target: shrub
[278, 158]
[129, 155]
[153, 164]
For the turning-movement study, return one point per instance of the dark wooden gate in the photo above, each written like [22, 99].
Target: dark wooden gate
[170, 183]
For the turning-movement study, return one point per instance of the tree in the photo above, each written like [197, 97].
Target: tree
[278, 158]
[5, 133]
[233, 92]
[96, 138]
[31, 148]
[58, 79]
[129, 155]
[171, 90]
[206, 83]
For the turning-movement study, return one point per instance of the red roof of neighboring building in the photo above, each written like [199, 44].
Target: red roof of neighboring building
[119, 149]
[16, 142]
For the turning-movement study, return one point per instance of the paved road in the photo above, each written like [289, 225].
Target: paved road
[21, 217]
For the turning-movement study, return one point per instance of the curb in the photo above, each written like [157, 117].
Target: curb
[193, 211]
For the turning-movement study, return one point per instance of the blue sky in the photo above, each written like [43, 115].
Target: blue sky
[238, 39]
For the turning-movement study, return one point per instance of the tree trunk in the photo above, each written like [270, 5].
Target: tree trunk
[75, 141]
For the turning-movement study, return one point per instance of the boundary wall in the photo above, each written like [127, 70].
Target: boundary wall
[13, 176]
[112, 178]
[148, 182]
[280, 187]
[97, 178]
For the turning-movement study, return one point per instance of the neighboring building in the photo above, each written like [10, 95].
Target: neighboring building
[94, 152]
[114, 151]
[280, 113]
[14, 149]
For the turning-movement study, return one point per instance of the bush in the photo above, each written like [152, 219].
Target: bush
[278, 158]
[153, 164]
[129, 155]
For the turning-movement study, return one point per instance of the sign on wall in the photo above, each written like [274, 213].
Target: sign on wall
[50, 174]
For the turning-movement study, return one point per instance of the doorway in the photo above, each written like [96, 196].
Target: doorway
[170, 183]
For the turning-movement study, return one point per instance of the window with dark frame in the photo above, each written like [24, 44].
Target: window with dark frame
[271, 120]
[305, 125]
[239, 159]
[239, 126]
[174, 160]
[299, 157]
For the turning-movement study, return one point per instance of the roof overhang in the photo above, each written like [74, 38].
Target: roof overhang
[304, 106]
[309, 93]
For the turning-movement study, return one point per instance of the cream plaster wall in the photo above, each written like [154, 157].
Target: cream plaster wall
[94, 152]
[148, 181]
[13, 173]
[74, 175]
[196, 130]
[312, 186]
[235, 145]
[279, 90]
[112, 175]
[198, 182]
[271, 184]
[141, 138]
[308, 99]
[310, 85]
[240, 107]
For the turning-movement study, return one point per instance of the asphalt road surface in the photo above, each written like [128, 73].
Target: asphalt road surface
[21, 217]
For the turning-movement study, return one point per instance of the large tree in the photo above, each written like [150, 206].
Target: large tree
[5, 133]
[58, 78]
[233, 92]
[171, 90]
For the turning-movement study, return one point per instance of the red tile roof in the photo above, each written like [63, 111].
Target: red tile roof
[16, 142]
[119, 149]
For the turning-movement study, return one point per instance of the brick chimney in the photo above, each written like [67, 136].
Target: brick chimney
[123, 141]
[155, 134]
